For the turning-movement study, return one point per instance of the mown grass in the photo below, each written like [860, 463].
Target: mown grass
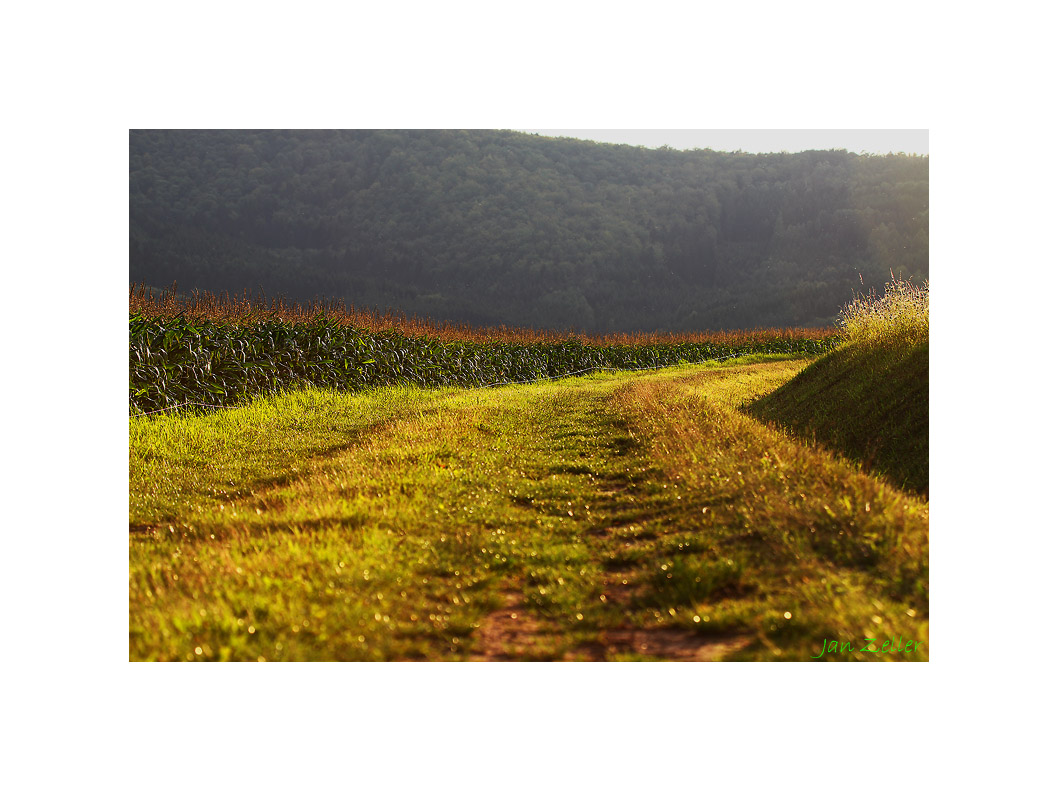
[397, 547]
[182, 463]
[627, 516]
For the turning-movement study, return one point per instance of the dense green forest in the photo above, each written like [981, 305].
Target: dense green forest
[491, 227]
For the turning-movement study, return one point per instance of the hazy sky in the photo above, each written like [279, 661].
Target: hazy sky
[755, 141]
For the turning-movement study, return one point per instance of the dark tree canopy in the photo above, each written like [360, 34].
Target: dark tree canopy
[508, 228]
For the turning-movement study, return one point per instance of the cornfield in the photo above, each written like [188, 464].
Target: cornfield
[219, 353]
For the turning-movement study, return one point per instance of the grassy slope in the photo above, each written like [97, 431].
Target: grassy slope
[621, 516]
[870, 402]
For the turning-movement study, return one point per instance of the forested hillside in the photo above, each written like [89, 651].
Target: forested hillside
[509, 228]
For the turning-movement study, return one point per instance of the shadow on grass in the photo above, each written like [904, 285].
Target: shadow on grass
[871, 404]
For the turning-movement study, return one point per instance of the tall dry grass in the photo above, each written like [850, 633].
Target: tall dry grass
[899, 316]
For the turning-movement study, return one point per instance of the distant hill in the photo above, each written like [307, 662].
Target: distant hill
[510, 228]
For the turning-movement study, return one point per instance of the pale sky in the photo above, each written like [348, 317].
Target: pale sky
[756, 141]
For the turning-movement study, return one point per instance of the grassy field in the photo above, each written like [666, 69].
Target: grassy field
[629, 516]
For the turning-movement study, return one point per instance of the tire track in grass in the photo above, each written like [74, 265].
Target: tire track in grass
[616, 499]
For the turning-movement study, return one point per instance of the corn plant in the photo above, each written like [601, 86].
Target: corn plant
[176, 361]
